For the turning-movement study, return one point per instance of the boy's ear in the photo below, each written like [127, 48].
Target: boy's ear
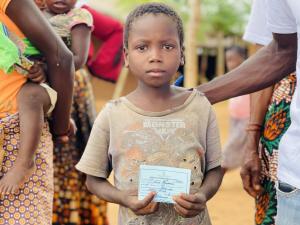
[182, 61]
[125, 52]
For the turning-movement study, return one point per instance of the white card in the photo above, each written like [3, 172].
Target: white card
[165, 181]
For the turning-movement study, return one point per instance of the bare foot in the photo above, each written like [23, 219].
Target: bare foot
[16, 176]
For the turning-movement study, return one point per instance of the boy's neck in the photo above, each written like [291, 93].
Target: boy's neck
[158, 99]
[162, 93]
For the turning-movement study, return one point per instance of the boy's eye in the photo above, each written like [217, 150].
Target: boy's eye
[168, 47]
[141, 48]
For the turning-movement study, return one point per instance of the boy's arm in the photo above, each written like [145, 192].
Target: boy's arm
[266, 67]
[81, 36]
[106, 191]
[211, 183]
[103, 189]
[59, 58]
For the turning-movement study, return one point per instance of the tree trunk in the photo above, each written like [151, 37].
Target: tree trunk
[191, 61]
[220, 54]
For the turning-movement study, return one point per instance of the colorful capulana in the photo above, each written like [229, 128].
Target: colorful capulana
[15, 52]
[9, 53]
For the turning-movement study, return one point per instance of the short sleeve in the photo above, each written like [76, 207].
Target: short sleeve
[80, 16]
[257, 31]
[213, 145]
[3, 5]
[95, 160]
[280, 17]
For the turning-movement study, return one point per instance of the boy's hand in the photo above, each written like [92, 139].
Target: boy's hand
[36, 73]
[141, 207]
[189, 205]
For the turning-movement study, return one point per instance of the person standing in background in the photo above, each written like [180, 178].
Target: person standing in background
[239, 110]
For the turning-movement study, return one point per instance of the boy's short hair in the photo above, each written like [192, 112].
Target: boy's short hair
[153, 8]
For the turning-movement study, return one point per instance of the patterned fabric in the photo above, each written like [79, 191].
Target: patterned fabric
[73, 204]
[125, 137]
[15, 53]
[32, 204]
[63, 23]
[277, 121]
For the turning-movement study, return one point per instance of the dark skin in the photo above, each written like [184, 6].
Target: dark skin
[269, 65]
[154, 54]
[58, 58]
[33, 99]
[80, 34]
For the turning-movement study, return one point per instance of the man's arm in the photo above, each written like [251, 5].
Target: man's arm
[269, 65]
[59, 58]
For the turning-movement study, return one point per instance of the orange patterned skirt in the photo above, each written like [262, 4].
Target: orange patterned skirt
[32, 204]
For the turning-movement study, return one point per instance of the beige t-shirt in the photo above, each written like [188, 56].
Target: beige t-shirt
[125, 137]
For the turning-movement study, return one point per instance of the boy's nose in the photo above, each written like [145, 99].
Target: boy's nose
[155, 55]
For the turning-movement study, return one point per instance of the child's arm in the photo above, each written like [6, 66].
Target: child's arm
[59, 59]
[192, 205]
[81, 36]
[106, 191]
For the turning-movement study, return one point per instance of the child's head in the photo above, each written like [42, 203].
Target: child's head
[60, 6]
[235, 55]
[153, 42]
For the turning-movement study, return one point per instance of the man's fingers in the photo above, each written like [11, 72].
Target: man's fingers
[256, 181]
[246, 182]
[247, 179]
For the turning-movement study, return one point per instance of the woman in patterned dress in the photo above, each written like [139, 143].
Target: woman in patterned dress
[73, 204]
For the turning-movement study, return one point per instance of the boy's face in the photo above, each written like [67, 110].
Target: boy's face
[60, 6]
[154, 51]
[233, 60]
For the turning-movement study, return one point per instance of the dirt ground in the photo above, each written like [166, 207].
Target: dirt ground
[231, 205]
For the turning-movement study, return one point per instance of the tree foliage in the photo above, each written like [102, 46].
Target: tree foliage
[226, 16]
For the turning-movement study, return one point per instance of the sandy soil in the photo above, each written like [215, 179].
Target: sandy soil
[231, 205]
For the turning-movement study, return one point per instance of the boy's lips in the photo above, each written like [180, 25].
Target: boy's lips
[156, 72]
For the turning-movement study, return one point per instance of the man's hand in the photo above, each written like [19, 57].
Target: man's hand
[251, 170]
[190, 205]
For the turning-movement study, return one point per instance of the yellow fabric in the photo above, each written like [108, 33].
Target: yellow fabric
[10, 84]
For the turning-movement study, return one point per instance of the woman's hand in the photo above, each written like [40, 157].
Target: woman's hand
[65, 138]
[190, 205]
